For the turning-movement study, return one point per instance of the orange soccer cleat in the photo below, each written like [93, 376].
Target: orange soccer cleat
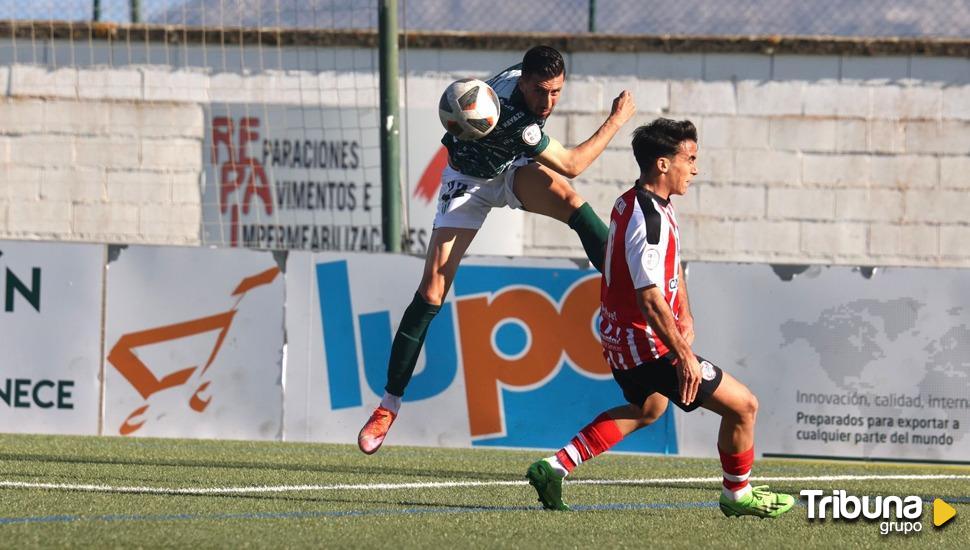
[372, 435]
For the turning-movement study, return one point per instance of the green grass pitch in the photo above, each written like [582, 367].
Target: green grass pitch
[496, 509]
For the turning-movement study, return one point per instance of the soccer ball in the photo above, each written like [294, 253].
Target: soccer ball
[469, 109]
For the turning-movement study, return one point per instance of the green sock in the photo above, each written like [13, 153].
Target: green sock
[592, 233]
[407, 343]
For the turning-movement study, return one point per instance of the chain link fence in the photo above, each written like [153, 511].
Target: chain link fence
[869, 18]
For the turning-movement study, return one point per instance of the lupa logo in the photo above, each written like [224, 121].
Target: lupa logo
[148, 382]
[523, 337]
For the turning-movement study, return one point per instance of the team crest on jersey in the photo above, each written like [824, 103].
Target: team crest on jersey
[620, 205]
[531, 134]
[651, 258]
[707, 371]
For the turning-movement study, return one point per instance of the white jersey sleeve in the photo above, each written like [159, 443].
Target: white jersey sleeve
[644, 253]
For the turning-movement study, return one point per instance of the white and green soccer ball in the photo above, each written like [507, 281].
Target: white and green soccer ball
[469, 109]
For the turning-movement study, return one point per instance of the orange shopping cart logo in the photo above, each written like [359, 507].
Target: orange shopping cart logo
[145, 381]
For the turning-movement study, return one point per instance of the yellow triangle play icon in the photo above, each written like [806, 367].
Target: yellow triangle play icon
[942, 512]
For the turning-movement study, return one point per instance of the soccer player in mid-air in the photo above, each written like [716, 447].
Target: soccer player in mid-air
[646, 330]
[515, 165]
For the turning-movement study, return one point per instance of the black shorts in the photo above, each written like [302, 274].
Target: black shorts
[660, 376]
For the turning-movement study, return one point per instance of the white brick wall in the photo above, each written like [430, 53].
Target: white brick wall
[741, 132]
[715, 166]
[699, 97]
[47, 218]
[99, 84]
[956, 102]
[765, 237]
[766, 166]
[804, 204]
[917, 242]
[955, 242]
[793, 167]
[95, 222]
[908, 103]
[886, 136]
[905, 171]
[955, 172]
[77, 169]
[72, 184]
[731, 201]
[803, 134]
[937, 206]
[835, 170]
[845, 101]
[946, 137]
[869, 205]
[42, 150]
[714, 235]
[833, 240]
[30, 81]
[770, 98]
[178, 223]
[21, 117]
[21, 182]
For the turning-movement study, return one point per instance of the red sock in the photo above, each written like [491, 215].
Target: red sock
[598, 436]
[737, 469]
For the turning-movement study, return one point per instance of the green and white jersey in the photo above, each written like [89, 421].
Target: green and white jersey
[518, 133]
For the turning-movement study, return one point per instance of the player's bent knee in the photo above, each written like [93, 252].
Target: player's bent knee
[748, 409]
[432, 291]
[432, 295]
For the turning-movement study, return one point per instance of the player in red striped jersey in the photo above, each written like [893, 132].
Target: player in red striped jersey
[646, 330]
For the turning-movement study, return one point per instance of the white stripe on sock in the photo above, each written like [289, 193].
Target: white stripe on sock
[737, 479]
[573, 453]
[582, 439]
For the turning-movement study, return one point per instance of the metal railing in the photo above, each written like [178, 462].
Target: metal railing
[869, 18]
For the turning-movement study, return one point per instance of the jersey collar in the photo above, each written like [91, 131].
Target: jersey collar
[650, 194]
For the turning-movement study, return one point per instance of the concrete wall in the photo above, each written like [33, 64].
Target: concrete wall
[806, 159]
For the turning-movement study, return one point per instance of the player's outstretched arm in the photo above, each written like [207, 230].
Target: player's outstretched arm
[657, 312]
[572, 162]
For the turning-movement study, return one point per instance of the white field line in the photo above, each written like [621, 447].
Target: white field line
[441, 484]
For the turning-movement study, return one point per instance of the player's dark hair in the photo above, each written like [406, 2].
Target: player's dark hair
[660, 138]
[544, 62]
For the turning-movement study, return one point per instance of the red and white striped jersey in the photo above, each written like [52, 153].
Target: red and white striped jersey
[643, 250]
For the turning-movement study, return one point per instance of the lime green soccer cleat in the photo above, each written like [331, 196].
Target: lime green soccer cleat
[547, 484]
[759, 502]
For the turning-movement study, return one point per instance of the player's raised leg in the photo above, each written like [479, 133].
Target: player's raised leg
[445, 250]
[608, 429]
[738, 408]
[543, 191]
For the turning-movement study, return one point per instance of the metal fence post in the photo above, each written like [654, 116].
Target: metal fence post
[390, 127]
[592, 16]
[135, 11]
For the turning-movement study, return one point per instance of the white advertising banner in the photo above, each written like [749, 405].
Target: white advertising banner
[511, 360]
[288, 177]
[845, 362]
[308, 178]
[193, 343]
[50, 337]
